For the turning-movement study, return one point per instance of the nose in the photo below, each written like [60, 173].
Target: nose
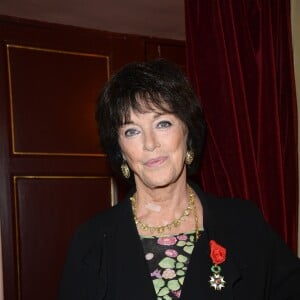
[150, 141]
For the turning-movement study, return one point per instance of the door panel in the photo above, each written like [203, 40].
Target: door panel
[57, 111]
[47, 211]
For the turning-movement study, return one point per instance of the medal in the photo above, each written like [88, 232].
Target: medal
[218, 256]
[216, 280]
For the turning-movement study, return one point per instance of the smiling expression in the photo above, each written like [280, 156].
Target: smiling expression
[154, 145]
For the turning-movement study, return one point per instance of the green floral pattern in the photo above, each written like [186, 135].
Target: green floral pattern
[168, 258]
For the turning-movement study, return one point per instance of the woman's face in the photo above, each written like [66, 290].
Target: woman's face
[154, 145]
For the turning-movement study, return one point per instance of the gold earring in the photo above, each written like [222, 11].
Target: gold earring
[189, 157]
[125, 169]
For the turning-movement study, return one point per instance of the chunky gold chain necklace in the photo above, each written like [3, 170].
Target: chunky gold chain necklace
[161, 229]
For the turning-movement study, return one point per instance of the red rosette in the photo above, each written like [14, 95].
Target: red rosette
[217, 252]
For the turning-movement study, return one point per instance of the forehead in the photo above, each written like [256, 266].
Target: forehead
[146, 105]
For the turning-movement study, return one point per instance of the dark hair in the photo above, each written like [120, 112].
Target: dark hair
[158, 83]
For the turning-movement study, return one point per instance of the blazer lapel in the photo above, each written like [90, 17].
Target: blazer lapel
[196, 283]
[96, 278]
[117, 265]
[128, 268]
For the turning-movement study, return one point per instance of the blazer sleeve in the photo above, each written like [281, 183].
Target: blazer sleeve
[284, 268]
[269, 269]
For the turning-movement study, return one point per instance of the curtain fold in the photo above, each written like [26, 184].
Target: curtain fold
[239, 60]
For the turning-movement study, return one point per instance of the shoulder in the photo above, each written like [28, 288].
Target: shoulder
[104, 221]
[231, 214]
[241, 224]
[223, 207]
[92, 232]
[239, 218]
[236, 208]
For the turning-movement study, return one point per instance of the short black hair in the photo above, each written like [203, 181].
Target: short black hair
[158, 83]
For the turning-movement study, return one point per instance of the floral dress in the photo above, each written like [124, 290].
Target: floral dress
[168, 258]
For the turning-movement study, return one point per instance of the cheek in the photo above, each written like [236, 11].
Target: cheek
[129, 151]
[181, 142]
[178, 149]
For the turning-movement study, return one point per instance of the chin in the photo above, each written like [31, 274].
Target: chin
[159, 182]
[159, 179]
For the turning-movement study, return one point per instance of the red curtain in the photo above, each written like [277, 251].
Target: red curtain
[239, 60]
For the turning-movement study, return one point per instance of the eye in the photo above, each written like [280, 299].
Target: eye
[164, 124]
[131, 132]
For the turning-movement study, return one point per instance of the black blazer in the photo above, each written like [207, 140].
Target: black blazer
[106, 258]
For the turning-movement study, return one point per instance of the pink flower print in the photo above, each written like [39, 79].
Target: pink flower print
[167, 241]
[156, 273]
[171, 253]
[182, 237]
[168, 274]
[177, 293]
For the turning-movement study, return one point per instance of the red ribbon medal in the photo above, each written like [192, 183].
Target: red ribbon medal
[218, 256]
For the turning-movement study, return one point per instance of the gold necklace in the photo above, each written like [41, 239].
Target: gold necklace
[161, 229]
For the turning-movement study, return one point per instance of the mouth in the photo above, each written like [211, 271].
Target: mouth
[155, 162]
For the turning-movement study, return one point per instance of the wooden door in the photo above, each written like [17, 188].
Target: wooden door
[53, 173]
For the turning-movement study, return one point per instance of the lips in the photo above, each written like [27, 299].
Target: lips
[155, 162]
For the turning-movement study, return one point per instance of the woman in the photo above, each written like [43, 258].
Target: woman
[168, 239]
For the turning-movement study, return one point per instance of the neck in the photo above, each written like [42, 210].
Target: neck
[164, 203]
[171, 226]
